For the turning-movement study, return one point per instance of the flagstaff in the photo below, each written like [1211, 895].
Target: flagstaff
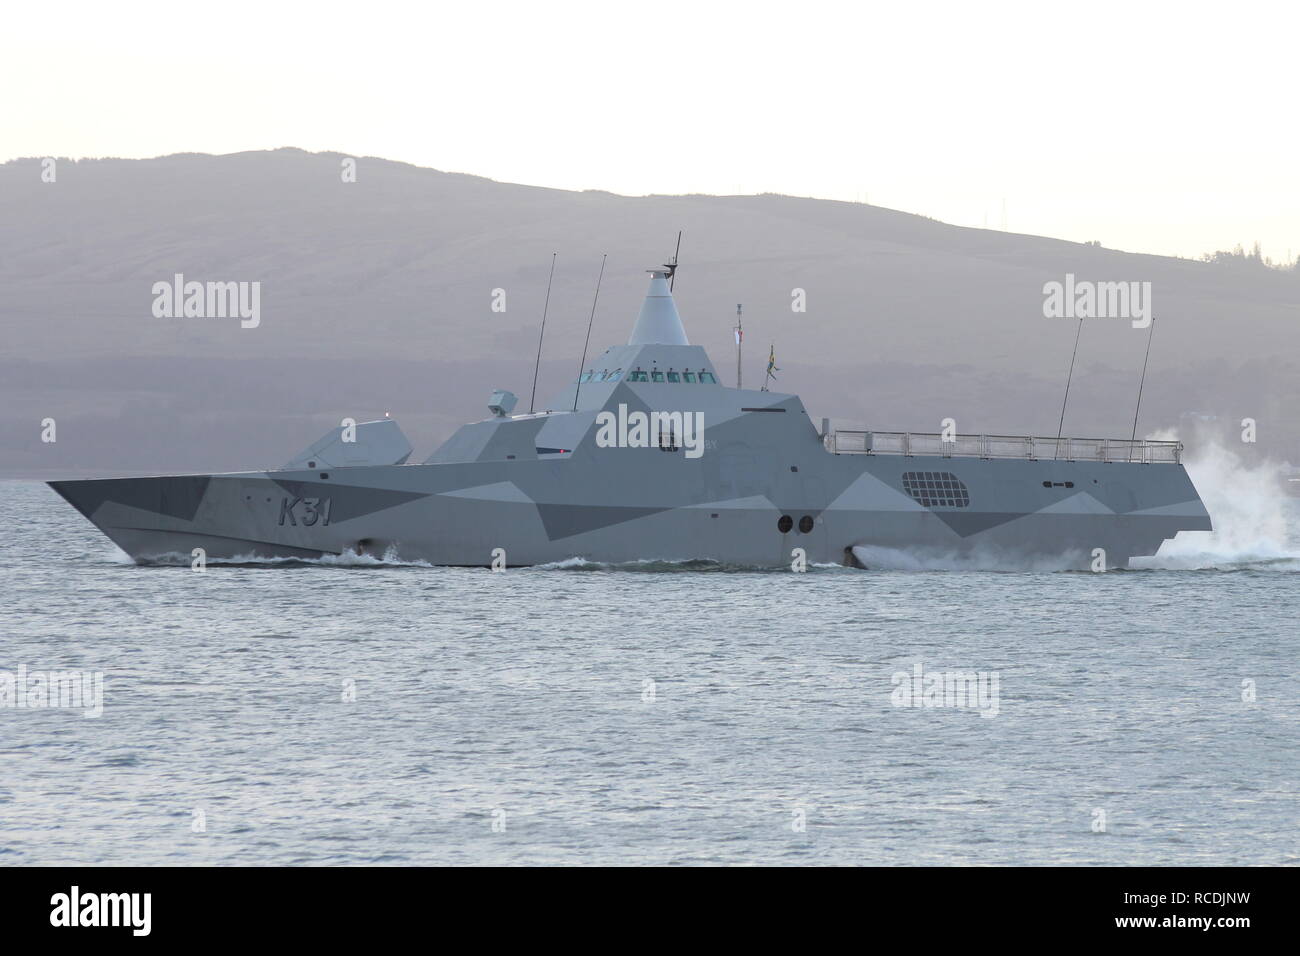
[771, 368]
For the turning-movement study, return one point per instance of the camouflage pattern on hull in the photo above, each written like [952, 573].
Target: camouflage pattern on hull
[626, 504]
[543, 488]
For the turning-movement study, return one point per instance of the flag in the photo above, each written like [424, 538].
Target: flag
[771, 363]
[740, 334]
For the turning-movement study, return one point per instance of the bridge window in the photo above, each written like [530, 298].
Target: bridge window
[673, 376]
[615, 375]
[707, 378]
[936, 489]
[636, 375]
[586, 376]
[600, 377]
[689, 377]
[656, 376]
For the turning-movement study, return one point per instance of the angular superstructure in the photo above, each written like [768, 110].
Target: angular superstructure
[647, 455]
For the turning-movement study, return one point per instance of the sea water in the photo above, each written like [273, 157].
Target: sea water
[368, 712]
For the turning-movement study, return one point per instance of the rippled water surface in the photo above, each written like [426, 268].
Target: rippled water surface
[644, 715]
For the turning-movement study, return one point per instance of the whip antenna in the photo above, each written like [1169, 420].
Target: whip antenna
[1150, 335]
[532, 401]
[1061, 425]
[594, 300]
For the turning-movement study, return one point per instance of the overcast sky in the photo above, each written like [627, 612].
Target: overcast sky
[1153, 127]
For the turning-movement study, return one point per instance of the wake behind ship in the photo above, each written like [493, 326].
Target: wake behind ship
[647, 455]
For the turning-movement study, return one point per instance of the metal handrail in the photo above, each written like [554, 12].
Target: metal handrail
[1003, 446]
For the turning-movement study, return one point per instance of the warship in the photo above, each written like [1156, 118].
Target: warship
[647, 455]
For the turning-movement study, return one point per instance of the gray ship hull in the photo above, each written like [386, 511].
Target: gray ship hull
[759, 485]
[629, 504]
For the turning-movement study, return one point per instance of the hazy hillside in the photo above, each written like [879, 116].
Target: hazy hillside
[376, 296]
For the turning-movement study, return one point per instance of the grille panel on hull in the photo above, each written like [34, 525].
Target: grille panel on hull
[936, 489]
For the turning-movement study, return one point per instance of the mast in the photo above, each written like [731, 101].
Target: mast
[740, 337]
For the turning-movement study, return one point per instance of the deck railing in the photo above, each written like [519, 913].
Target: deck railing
[1003, 446]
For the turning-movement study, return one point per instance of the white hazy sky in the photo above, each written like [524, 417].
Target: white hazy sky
[1154, 127]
